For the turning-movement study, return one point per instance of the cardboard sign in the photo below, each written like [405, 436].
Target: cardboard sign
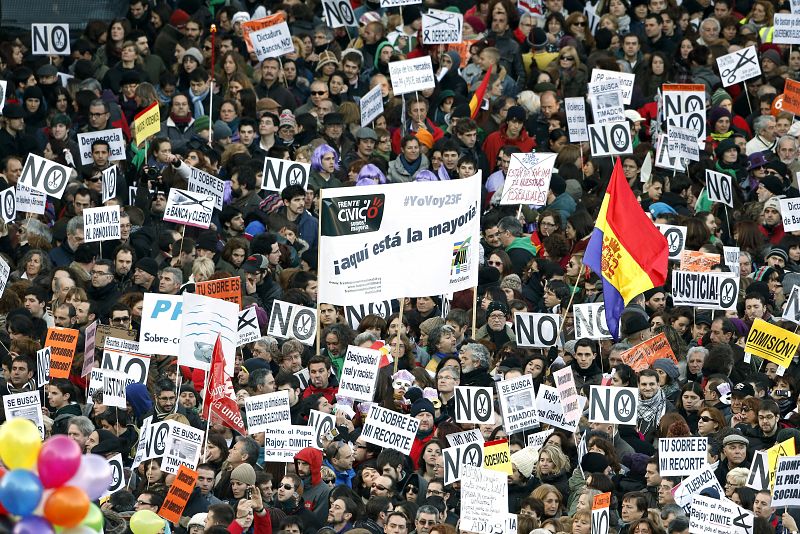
[550, 410]
[248, 326]
[610, 139]
[517, 404]
[676, 239]
[114, 383]
[147, 123]
[484, 493]
[29, 200]
[528, 178]
[468, 436]
[5, 270]
[202, 320]
[739, 66]
[692, 123]
[442, 27]
[645, 353]
[282, 443]
[43, 367]
[8, 204]
[497, 456]
[787, 29]
[371, 105]
[292, 321]
[590, 321]
[791, 97]
[719, 516]
[116, 145]
[63, 342]
[108, 180]
[269, 36]
[26, 405]
[50, 40]
[411, 75]
[692, 486]
[600, 513]
[606, 98]
[684, 105]
[117, 475]
[101, 224]
[618, 406]
[269, 409]
[576, 119]
[682, 143]
[791, 308]
[790, 213]
[719, 187]
[205, 184]
[191, 209]
[474, 404]
[178, 495]
[699, 262]
[386, 428]
[625, 80]
[45, 176]
[730, 255]
[338, 13]
[680, 457]
[228, 289]
[537, 329]
[182, 448]
[568, 393]
[705, 290]
[359, 373]
[279, 174]
[457, 456]
[161, 324]
[772, 342]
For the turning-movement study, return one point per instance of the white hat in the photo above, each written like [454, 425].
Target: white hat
[240, 16]
[197, 519]
[633, 115]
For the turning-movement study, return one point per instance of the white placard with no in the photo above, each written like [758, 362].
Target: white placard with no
[719, 187]
[590, 321]
[50, 39]
[45, 176]
[289, 320]
[618, 406]
[279, 174]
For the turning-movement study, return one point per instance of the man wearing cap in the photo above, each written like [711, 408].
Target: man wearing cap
[764, 139]
[332, 130]
[13, 139]
[655, 300]
[511, 132]
[145, 276]
[771, 222]
[769, 186]
[777, 257]
[258, 283]
[636, 328]
[423, 411]
[366, 139]
[734, 454]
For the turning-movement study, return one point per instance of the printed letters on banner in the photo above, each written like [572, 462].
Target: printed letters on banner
[576, 119]
[228, 289]
[204, 318]
[626, 81]
[116, 145]
[468, 436]
[590, 321]
[355, 314]
[618, 406]
[609, 139]
[359, 373]
[457, 456]
[204, 184]
[528, 179]
[537, 329]
[185, 207]
[517, 404]
[29, 200]
[787, 29]
[607, 104]
[269, 409]
[386, 428]
[706, 290]
[474, 404]
[280, 174]
[739, 66]
[682, 143]
[772, 342]
[161, 324]
[182, 448]
[45, 176]
[790, 213]
[292, 321]
[101, 224]
[178, 495]
[269, 36]
[679, 457]
[719, 187]
[114, 384]
[339, 13]
[26, 405]
[497, 456]
[411, 75]
[371, 105]
[550, 409]
[50, 40]
[441, 27]
[719, 516]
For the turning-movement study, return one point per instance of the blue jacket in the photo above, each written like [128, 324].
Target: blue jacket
[343, 478]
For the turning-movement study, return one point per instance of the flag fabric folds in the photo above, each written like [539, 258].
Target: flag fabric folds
[626, 250]
[477, 98]
[219, 399]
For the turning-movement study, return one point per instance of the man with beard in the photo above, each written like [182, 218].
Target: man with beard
[423, 411]
[245, 190]
[269, 87]
[652, 404]
[232, 221]
[308, 466]
[289, 499]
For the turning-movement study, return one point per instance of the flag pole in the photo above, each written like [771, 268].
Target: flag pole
[399, 327]
[211, 85]
[474, 310]
[319, 246]
[206, 397]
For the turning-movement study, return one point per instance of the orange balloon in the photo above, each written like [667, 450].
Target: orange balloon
[777, 105]
[67, 506]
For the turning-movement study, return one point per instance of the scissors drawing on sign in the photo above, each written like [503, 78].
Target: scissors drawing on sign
[742, 60]
[185, 199]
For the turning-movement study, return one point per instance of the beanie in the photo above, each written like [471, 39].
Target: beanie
[772, 184]
[202, 123]
[512, 281]
[244, 474]
[719, 96]
[525, 459]
[668, 366]
[429, 324]
[496, 305]
[422, 405]
[179, 18]
[476, 23]
[594, 462]
[774, 56]
[557, 184]
[716, 114]
[724, 146]
[221, 130]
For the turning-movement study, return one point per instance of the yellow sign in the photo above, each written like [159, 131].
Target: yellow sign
[784, 448]
[772, 343]
[497, 456]
[147, 122]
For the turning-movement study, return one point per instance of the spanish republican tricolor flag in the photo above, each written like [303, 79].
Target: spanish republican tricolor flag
[626, 250]
[477, 98]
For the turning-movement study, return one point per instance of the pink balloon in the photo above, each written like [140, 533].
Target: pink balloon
[93, 476]
[59, 460]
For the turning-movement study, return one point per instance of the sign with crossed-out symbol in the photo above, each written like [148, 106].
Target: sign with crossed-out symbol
[247, 326]
[8, 200]
[676, 239]
[728, 291]
[739, 66]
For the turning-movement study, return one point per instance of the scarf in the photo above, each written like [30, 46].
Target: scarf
[181, 122]
[139, 154]
[197, 102]
[720, 136]
[650, 412]
[410, 167]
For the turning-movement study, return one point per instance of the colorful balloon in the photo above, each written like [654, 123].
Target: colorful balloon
[146, 522]
[20, 442]
[67, 506]
[59, 460]
[33, 524]
[94, 519]
[93, 476]
[20, 491]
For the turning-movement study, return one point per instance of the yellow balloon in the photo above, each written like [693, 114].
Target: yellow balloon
[20, 442]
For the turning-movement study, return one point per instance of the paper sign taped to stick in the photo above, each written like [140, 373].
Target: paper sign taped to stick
[411, 75]
[269, 409]
[101, 224]
[618, 406]
[269, 36]
[576, 119]
[116, 145]
[680, 457]
[371, 105]
[719, 186]
[706, 290]
[739, 66]
[528, 179]
[386, 428]
[228, 289]
[550, 410]
[192, 209]
[517, 404]
[178, 494]
[772, 343]
[645, 353]
[63, 342]
[280, 174]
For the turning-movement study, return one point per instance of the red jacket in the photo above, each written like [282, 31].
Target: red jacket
[497, 140]
[262, 524]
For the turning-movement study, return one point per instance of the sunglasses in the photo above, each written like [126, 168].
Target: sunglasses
[706, 419]
[318, 93]
[290, 487]
[567, 58]
[93, 180]
[379, 487]
[579, 23]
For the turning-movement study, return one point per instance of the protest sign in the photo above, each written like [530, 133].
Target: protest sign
[147, 122]
[474, 404]
[682, 143]
[468, 436]
[787, 483]
[371, 105]
[537, 329]
[739, 66]
[441, 27]
[794, 7]
[43, 367]
[182, 448]
[114, 383]
[679, 457]
[228, 289]
[101, 224]
[484, 493]
[645, 353]
[590, 321]
[730, 255]
[202, 320]
[5, 270]
[205, 184]
[108, 180]
[698, 262]
[355, 314]
[63, 342]
[396, 3]
[411, 75]
[528, 178]
[606, 98]
[292, 321]
[269, 409]
[550, 410]
[787, 29]
[282, 443]
[700, 480]
[178, 495]
[45, 176]
[269, 36]
[618, 406]
[457, 456]
[536, 440]
[117, 475]
[772, 342]
[719, 516]
[155, 436]
[437, 221]
[600, 513]
[8, 204]
[3, 93]
[497, 456]
[576, 119]
[791, 97]
[790, 213]
[763, 468]
[248, 326]
[791, 308]
[517, 404]
[496, 524]
[706, 290]
[386, 428]
[26, 405]
[191, 209]
[50, 39]
[691, 123]
[609, 139]
[130, 361]
[338, 13]
[161, 324]
[95, 385]
[719, 187]
[625, 80]
[280, 174]
[663, 159]
[359, 373]
[116, 145]
[568, 393]
[324, 425]
[684, 106]
[29, 200]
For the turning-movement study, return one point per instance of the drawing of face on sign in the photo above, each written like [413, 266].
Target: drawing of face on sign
[202, 320]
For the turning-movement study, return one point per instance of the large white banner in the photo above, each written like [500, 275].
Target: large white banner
[411, 75]
[161, 324]
[369, 235]
[787, 29]
[202, 320]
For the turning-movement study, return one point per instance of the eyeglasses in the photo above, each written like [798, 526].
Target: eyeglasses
[379, 487]
[446, 377]
[288, 487]
[318, 93]
[437, 493]
[144, 502]
[99, 273]
[97, 114]
[547, 224]
[94, 180]
[121, 320]
[327, 480]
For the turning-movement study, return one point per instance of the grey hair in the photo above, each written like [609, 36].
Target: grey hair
[672, 509]
[175, 272]
[480, 353]
[620, 347]
[36, 227]
[510, 224]
[713, 21]
[701, 350]
[270, 343]
[746, 254]
[84, 424]
[75, 224]
[427, 509]
[761, 122]
[364, 337]
[788, 138]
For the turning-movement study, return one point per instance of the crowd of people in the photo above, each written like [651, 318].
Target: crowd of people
[224, 112]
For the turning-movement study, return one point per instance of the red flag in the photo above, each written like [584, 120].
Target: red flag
[477, 98]
[219, 399]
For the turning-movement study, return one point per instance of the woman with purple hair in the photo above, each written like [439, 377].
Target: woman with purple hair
[324, 163]
[370, 175]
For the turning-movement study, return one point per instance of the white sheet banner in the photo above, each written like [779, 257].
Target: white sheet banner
[203, 319]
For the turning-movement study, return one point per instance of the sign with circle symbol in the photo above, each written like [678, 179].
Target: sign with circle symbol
[8, 200]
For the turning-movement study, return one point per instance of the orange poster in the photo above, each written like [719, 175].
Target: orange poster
[644, 354]
[260, 24]
[62, 342]
[229, 289]
[791, 97]
[463, 50]
[178, 494]
[698, 262]
[601, 501]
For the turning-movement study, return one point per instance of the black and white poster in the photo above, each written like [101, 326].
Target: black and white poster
[292, 321]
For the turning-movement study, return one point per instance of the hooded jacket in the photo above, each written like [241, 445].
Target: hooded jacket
[497, 140]
[315, 492]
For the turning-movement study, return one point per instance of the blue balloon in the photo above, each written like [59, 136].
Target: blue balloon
[20, 491]
[33, 524]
